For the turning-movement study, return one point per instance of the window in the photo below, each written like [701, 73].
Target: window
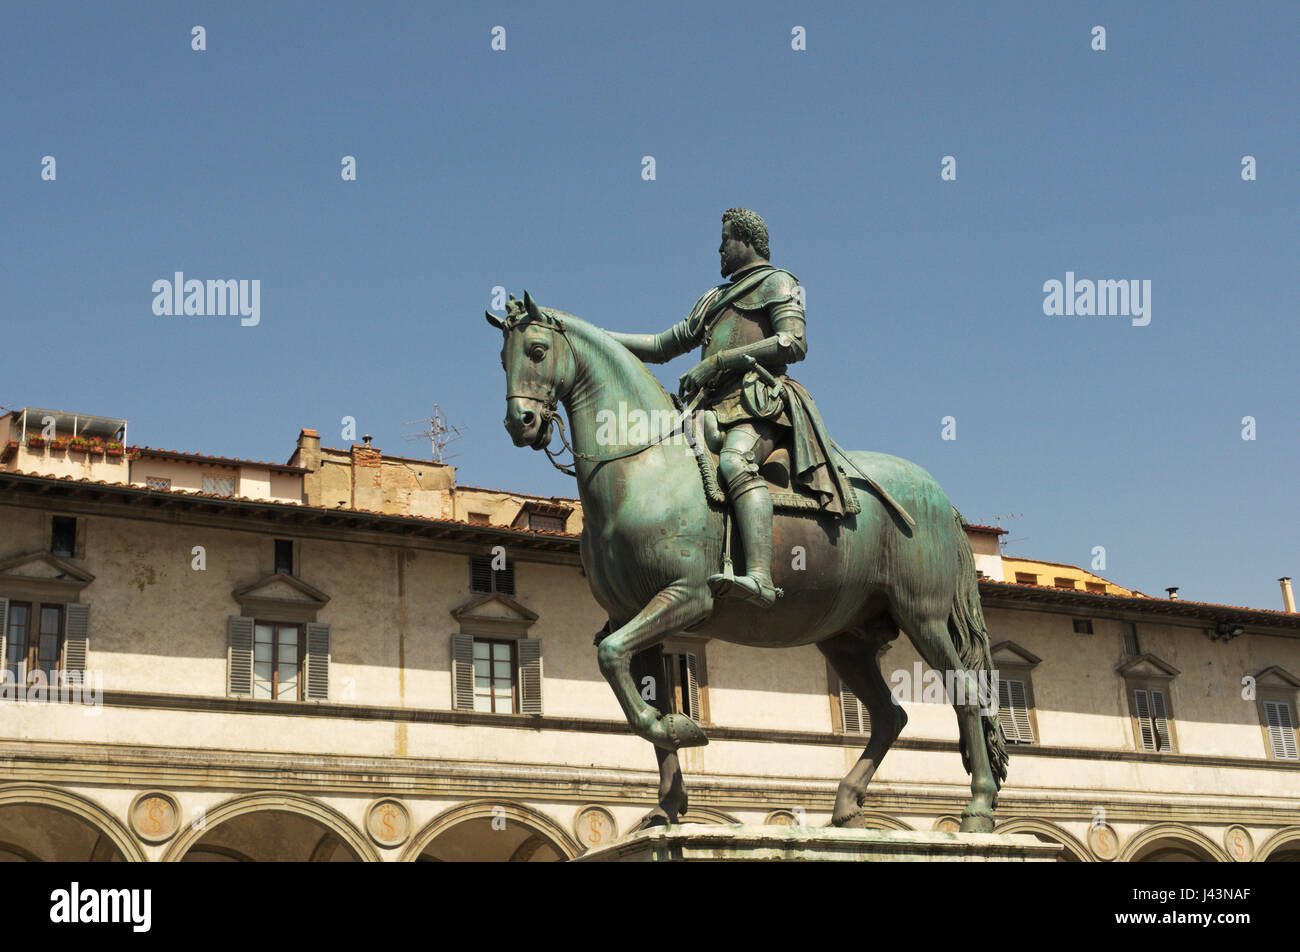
[158, 482]
[683, 671]
[1151, 710]
[854, 717]
[539, 521]
[219, 485]
[277, 662]
[284, 556]
[1026, 578]
[1131, 639]
[1097, 588]
[1281, 730]
[1062, 582]
[1082, 626]
[494, 676]
[1013, 711]
[34, 643]
[479, 518]
[63, 537]
[484, 581]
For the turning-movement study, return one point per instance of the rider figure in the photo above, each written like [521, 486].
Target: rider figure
[758, 314]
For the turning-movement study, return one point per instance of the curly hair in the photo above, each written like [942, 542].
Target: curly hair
[748, 227]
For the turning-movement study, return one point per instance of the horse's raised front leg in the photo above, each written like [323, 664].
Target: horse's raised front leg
[676, 607]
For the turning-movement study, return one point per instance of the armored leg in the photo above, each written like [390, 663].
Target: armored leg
[752, 502]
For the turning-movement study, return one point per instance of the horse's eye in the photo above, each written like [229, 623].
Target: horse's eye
[537, 353]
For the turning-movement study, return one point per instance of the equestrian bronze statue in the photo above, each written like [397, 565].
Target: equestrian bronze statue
[880, 548]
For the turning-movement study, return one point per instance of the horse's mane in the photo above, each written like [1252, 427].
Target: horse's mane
[590, 333]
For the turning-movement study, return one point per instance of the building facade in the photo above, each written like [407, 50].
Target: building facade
[349, 657]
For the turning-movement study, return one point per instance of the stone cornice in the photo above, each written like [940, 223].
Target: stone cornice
[179, 769]
[592, 725]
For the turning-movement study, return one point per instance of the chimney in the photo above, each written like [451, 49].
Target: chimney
[1288, 597]
[307, 455]
[1173, 593]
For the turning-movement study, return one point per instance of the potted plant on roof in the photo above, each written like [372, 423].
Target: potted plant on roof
[59, 443]
[112, 448]
[35, 441]
[78, 444]
[95, 446]
[132, 452]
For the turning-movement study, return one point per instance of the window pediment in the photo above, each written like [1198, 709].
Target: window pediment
[494, 614]
[1277, 677]
[282, 597]
[1147, 667]
[40, 575]
[1012, 654]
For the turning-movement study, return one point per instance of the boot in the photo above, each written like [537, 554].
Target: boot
[754, 518]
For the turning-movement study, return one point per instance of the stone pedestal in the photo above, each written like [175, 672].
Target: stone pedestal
[735, 842]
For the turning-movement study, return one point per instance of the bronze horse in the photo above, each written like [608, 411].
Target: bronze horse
[651, 538]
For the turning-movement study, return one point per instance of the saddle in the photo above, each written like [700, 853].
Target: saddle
[703, 433]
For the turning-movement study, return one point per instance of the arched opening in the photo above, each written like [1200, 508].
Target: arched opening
[478, 841]
[1290, 855]
[1171, 850]
[1072, 850]
[492, 832]
[269, 836]
[32, 832]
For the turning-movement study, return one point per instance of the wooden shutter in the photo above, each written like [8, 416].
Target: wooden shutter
[691, 687]
[318, 661]
[530, 675]
[75, 637]
[1281, 730]
[504, 580]
[480, 575]
[1018, 698]
[1007, 712]
[1164, 740]
[4, 639]
[1144, 719]
[239, 657]
[462, 672]
[854, 716]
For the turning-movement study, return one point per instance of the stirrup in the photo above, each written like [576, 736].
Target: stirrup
[744, 587]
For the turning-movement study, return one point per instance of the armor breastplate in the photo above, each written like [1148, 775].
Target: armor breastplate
[737, 328]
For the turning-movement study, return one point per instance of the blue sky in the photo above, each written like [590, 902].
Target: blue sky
[522, 168]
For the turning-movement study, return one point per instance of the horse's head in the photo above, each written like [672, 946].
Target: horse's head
[540, 366]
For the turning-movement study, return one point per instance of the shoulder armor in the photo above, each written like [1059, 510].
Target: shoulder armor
[778, 286]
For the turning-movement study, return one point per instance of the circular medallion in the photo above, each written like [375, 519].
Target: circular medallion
[785, 818]
[155, 816]
[594, 826]
[388, 822]
[1103, 841]
[947, 824]
[1237, 841]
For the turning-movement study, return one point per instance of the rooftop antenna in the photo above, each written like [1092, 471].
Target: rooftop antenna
[439, 433]
[1002, 542]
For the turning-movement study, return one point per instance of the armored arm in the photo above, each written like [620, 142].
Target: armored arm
[658, 348]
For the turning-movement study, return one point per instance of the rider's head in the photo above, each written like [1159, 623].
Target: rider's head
[744, 240]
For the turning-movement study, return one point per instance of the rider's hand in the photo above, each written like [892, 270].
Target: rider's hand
[699, 376]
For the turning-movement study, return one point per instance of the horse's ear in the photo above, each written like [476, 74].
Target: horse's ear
[495, 321]
[534, 312]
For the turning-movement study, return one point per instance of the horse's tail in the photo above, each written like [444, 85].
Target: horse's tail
[970, 636]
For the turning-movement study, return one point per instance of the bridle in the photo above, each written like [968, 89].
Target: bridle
[551, 414]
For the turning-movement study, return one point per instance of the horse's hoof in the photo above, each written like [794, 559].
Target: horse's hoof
[976, 823]
[656, 817]
[683, 732]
